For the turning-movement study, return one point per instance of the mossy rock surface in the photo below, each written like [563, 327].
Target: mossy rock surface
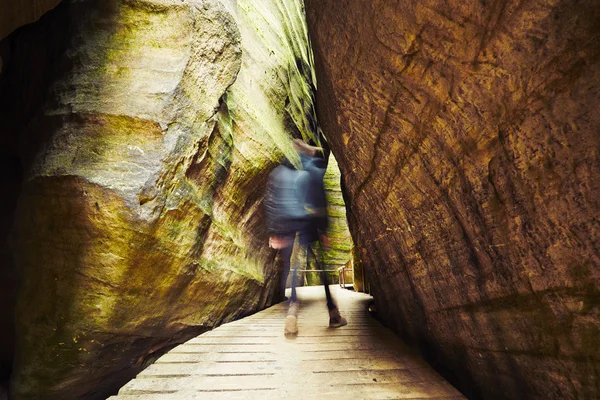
[340, 240]
[140, 223]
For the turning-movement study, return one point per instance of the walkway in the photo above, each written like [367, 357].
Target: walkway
[252, 359]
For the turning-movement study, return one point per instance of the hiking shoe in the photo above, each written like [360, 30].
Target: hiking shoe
[291, 325]
[335, 319]
[291, 321]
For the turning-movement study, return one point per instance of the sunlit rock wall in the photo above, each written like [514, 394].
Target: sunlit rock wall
[140, 222]
[340, 241]
[339, 250]
[467, 135]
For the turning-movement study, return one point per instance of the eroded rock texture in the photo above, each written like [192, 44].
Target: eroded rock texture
[467, 135]
[140, 223]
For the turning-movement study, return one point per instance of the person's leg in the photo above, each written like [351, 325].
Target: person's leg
[286, 255]
[293, 298]
[291, 320]
[330, 303]
[294, 276]
[335, 318]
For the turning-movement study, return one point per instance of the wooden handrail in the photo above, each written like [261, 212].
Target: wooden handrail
[342, 273]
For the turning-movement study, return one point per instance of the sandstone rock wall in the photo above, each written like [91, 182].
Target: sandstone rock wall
[140, 221]
[339, 251]
[340, 241]
[467, 135]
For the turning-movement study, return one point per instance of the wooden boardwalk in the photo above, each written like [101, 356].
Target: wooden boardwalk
[252, 359]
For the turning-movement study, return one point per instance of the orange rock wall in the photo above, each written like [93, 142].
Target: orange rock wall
[467, 135]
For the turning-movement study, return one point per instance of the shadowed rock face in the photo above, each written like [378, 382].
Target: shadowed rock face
[16, 13]
[145, 156]
[467, 135]
[13, 14]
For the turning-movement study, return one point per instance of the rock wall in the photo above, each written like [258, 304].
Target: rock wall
[145, 155]
[467, 135]
[340, 241]
[339, 251]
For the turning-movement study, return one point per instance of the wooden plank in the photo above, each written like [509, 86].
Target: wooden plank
[275, 366]
[302, 385]
[221, 357]
[361, 393]
[196, 383]
[309, 330]
[339, 337]
[357, 354]
[274, 395]
[231, 339]
[219, 348]
[301, 380]
[211, 368]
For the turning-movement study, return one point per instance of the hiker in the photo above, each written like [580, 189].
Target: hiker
[313, 228]
[285, 213]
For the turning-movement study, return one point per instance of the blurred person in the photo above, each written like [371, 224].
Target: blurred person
[313, 227]
[285, 213]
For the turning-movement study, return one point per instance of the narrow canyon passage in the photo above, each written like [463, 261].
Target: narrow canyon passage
[137, 138]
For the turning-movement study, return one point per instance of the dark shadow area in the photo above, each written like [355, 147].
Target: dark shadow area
[30, 60]
[34, 58]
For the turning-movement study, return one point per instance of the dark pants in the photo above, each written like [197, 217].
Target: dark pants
[286, 255]
[309, 252]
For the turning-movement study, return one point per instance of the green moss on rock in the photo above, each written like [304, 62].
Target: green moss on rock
[340, 240]
[140, 223]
